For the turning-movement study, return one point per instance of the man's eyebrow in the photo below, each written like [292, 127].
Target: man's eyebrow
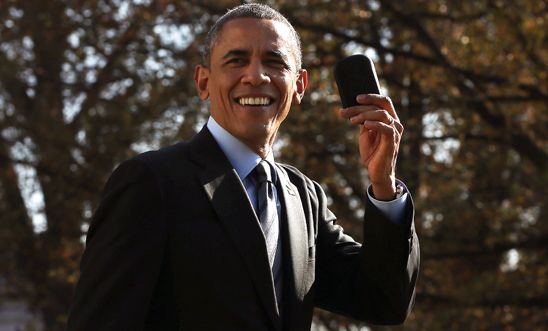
[276, 53]
[236, 52]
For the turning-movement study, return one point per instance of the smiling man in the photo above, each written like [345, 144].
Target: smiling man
[213, 234]
[251, 80]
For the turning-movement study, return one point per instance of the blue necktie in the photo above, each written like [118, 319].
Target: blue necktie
[268, 218]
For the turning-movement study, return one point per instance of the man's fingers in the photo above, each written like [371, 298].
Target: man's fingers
[373, 107]
[381, 127]
[380, 115]
[398, 126]
[380, 101]
[377, 115]
[355, 110]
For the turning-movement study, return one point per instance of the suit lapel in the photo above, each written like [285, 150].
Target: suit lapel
[233, 208]
[296, 235]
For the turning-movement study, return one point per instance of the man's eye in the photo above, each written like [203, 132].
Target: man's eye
[278, 64]
[236, 61]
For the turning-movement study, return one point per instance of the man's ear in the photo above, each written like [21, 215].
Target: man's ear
[300, 84]
[201, 80]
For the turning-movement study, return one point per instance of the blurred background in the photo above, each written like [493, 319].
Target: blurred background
[87, 84]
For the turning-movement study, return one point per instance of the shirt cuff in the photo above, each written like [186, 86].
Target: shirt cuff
[393, 210]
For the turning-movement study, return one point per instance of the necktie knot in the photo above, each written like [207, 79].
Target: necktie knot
[263, 172]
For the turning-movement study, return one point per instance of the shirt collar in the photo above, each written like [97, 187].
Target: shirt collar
[242, 158]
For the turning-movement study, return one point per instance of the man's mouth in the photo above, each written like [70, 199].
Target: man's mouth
[254, 101]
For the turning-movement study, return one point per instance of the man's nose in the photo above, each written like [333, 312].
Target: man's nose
[255, 74]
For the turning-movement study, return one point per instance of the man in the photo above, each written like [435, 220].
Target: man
[212, 234]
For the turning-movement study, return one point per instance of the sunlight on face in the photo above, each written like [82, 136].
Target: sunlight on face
[251, 80]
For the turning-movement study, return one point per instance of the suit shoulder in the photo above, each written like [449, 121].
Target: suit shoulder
[298, 178]
[164, 160]
[163, 155]
[291, 171]
[151, 165]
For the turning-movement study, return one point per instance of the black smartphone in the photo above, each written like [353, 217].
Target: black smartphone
[355, 75]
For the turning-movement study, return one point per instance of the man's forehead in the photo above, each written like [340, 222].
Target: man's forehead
[248, 33]
[254, 26]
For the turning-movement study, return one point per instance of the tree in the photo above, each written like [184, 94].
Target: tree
[85, 85]
[474, 152]
[82, 85]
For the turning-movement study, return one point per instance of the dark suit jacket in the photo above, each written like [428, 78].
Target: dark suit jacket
[175, 245]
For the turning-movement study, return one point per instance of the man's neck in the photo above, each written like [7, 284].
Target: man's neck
[261, 150]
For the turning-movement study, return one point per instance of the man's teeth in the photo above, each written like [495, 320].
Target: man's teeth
[259, 101]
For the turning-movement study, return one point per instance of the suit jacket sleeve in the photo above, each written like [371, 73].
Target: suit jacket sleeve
[373, 281]
[123, 256]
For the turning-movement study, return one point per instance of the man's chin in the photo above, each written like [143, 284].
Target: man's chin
[258, 110]
[257, 133]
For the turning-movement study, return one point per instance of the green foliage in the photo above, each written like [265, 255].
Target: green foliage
[84, 85]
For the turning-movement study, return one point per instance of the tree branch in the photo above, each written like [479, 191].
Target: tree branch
[530, 243]
[434, 300]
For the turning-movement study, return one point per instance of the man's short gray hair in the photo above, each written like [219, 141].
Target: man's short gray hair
[251, 10]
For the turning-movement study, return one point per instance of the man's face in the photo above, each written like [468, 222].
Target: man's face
[251, 80]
